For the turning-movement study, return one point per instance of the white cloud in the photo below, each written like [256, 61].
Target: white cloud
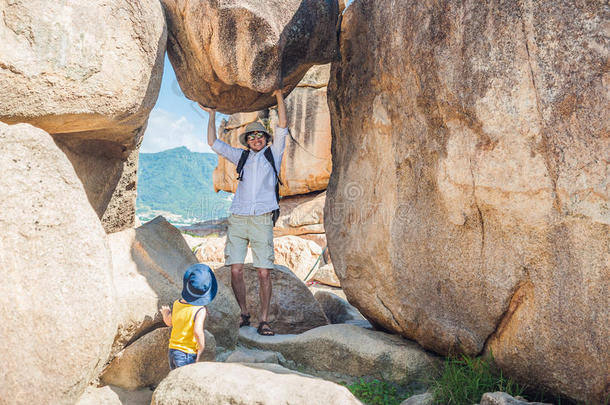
[167, 130]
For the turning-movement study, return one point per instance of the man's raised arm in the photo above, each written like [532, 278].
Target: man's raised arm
[218, 146]
[211, 124]
[279, 137]
[281, 109]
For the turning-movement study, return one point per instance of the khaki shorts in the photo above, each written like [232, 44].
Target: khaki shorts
[256, 229]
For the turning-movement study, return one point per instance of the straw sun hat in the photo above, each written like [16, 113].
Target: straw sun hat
[253, 127]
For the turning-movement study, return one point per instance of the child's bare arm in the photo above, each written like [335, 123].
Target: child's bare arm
[198, 331]
[167, 315]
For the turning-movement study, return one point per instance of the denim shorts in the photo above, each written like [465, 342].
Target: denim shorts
[177, 358]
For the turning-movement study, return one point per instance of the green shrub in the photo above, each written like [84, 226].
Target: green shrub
[376, 392]
[465, 379]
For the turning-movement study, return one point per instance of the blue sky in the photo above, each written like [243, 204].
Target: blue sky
[175, 120]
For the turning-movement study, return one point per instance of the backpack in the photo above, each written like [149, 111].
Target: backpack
[269, 156]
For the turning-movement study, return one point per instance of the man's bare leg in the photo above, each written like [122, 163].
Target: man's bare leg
[264, 282]
[239, 286]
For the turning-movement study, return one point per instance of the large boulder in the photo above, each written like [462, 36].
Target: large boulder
[301, 215]
[337, 309]
[471, 149]
[348, 352]
[66, 75]
[293, 308]
[57, 305]
[230, 383]
[307, 162]
[90, 85]
[149, 263]
[233, 54]
[326, 275]
[298, 254]
[212, 252]
[145, 363]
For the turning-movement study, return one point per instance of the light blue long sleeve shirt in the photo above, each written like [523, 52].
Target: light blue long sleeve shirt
[255, 193]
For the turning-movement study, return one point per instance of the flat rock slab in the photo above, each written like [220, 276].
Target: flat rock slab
[293, 308]
[109, 395]
[277, 369]
[225, 383]
[502, 398]
[349, 351]
[314, 288]
[233, 54]
[421, 399]
[245, 355]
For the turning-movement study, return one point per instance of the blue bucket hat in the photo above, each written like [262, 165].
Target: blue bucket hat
[199, 285]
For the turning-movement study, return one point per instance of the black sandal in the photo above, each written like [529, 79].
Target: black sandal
[245, 320]
[265, 331]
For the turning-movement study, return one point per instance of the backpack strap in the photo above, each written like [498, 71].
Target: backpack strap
[241, 163]
[269, 156]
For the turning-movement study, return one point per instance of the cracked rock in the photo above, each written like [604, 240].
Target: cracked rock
[468, 204]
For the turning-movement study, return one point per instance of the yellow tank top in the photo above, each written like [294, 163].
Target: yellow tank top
[183, 322]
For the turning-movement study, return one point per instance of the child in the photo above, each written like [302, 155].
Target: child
[187, 316]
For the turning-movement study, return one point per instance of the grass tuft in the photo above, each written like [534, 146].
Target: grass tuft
[465, 379]
[376, 392]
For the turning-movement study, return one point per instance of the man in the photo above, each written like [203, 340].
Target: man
[252, 208]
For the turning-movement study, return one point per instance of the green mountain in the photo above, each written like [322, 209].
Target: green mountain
[177, 184]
